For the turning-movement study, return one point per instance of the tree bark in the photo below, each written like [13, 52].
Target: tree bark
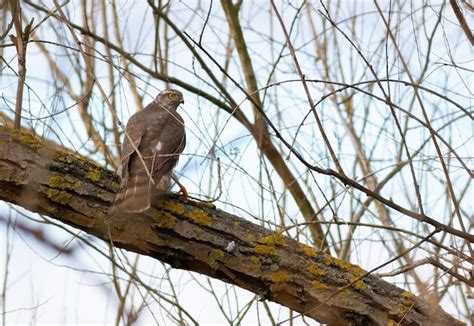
[196, 236]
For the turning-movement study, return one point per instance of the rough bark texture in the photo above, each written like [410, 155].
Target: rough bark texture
[198, 237]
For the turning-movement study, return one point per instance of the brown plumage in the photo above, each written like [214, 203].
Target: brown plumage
[159, 135]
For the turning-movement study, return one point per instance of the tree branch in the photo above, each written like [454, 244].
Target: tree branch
[462, 21]
[198, 237]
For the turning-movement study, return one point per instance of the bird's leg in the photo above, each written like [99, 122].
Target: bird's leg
[182, 189]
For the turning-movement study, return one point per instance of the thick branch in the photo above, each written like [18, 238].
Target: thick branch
[198, 237]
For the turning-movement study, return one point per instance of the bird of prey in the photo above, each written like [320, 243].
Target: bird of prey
[154, 138]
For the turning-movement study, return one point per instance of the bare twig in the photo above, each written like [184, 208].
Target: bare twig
[449, 184]
[21, 42]
[308, 94]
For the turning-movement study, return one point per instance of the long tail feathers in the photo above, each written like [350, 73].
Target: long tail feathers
[136, 196]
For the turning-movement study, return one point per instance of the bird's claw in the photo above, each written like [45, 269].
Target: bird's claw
[183, 191]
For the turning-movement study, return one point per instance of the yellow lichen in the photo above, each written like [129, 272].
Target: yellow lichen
[345, 292]
[274, 239]
[329, 260]
[356, 271]
[56, 181]
[392, 322]
[215, 255]
[208, 205]
[165, 220]
[59, 182]
[200, 217]
[319, 285]
[197, 229]
[28, 139]
[408, 301]
[58, 196]
[158, 241]
[94, 175]
[65, 158]
[250, 238]
[279, 277]
[177, 208]
[407, 295]
[315, 270]
[265, 250]
[309, 251]
[359, 285]
[353, 269]
[255, 260]
[51, 209]
[408, 298]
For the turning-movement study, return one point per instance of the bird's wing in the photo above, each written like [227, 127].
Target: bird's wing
[170, 143]
[133, 135]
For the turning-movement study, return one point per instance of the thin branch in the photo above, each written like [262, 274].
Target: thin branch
[308, 94]
[21, 42]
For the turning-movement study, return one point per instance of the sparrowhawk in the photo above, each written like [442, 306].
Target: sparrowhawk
[154, 138]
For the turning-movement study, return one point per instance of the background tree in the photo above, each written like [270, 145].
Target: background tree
[344, 126]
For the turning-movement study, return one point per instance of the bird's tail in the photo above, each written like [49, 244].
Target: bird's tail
[135, 197]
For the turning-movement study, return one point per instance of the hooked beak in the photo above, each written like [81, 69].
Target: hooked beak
[181, 102]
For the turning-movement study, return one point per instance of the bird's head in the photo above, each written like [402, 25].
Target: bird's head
[170, 98]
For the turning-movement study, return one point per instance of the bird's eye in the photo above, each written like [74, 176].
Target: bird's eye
[171, 95]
